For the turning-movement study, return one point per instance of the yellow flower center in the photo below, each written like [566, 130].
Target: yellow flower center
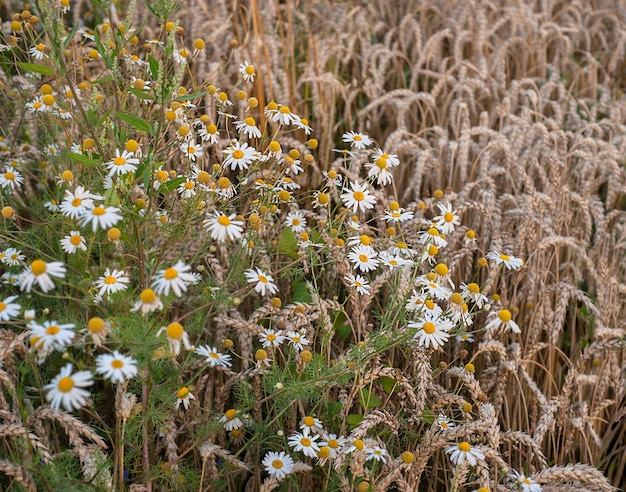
[65, 384]
[429, 304]
[3, 306]
[117, 364]
[308, 421]
[230, 414]
[364, 258]
[119, 161]
[250, 121]
[504, 315]
[250, 69]
[213, 355]
[505, 257]
[263, 279]
[448, 217]
[465, 447]
[175, 331]
[277, 464]
[271, 337]
[456, 298]
[238, 154]
[148, 296]
[429, 328]
[98, 211]
[473, 288]
[285, 109]
[433, 232]
[357, 138]
[9, 176]
[38, 267]
[223, 183]
[170, 274]
[359, 444]
[305, 441]
[96, 325]
[381, 162]
[189, 185]
[358, 196]
[53, 330]
[333, 443]
[182, 393]
[224, 221]
[109, 280]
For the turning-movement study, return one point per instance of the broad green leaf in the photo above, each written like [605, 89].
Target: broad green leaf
[136, 122]
[388, 384]
[92, 118]
[172, 184]
[84, 160]
[111, 197]
[188, 97]
[288, 244]
[140, 94]
[369, 399]
[300, 293]
[154, 66]
[33, 67]
[353, 420]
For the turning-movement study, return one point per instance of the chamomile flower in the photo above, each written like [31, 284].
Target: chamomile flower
[73, 242]
[175, 278]
[223, 227]
[364, 258]
[175, 335]
[304, 443]
[432, 332]
[509, 261]
[444, 423]
[40, 272]
[357, 140]
[116, 367]
[471, 292]
[311, 425]
[278, 465]
[464, 452]
[297, 339]
[375, 453]
[392, 261]
[100, 216]
[67, 389]
[9, 309]
[51, 335]
[264, 282]
[11, 178]
[284, 116]
[432, 236]
[240, 156]
[380, 168]
[184, 397]
[122, 163]
[358, 282]
[111, 282]
[148, 302]
[38, 52]
[248, 128]
[502, 319]
[187, 188]
[191, 150]
[398, 215]
[447, 220]
[76, 203]
[296, 221]
[247, 71]
[12, 257]
[334, 443]
[271, 338]
[357, 197]
[525, 484]
[231, 420]
[213, 357]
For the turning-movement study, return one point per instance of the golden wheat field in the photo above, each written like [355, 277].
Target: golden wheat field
[313, 245]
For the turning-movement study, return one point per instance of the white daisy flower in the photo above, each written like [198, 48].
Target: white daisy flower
[399, 215]
[284, 116]
[67, 389]
[231, 420]
[111, 282]
[297, 340]
[148, 302]
[278, 465]
[392, 260]
[264, 282]
[40, 272]
[502, 319]
[116, 367]
[73, 242]
[361, 285]
[444, 423]
[100, 216]
[471, 292]
[191, 150]
[271, 338]
[213, 357]
[11, 178]
[291, 165]
[448, 220]
[311, 425]
[375, 453]
[526, 484]
[9, 309]
[364, 258]
[176, 278]
[51, 336]
[432, 332]
[240, 156]
[509, 261]
[76, 203]
[223, 227]
[464, 452]
[334, 443]
[184, 397]
[38, 52]
[122, 163]
[175, 335]
[432, 236]
[12, 257]
[247, 71]
[305, 443]
[430, 285]
[187, 189]
[248, 128]
[357, 197]
[379, 169]
[296, 221]
[357, 140]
